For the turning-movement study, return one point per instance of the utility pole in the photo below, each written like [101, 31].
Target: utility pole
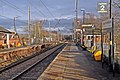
[39, 28]
[76, 10]
[92, 42]
[34, 32]
[83, 10]
[15, 25]
[16, 30]
[110, 50]
[110, 9]
[49, 32]
[29, 23]
[75, 22]
[58, 35]
[112, 40]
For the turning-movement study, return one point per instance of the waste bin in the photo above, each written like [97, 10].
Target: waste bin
[97, 55]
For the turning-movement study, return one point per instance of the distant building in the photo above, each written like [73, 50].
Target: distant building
[3, 30]
[7, 38]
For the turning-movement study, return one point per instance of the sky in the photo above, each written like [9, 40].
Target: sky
[45, 9]
[58, 8]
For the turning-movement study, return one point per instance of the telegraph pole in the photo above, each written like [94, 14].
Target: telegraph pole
[110, 50]
[112, 39]
[76, 23]
[15, 29]
[110, 9]
[83, 10]
[58, 35]
[49, 32]
[76, 10]
[29, 23]
[15, 25]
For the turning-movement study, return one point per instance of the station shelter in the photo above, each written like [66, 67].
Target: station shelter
[92, 38]
[88, 40]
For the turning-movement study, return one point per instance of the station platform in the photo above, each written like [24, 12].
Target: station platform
[74, 64]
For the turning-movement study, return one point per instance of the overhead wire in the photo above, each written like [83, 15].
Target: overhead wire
[58, 22]
[13, 6]
[12, 19]
[38, 10]
[116, 4]
[18, 9]
[23, 12]
[46, 8]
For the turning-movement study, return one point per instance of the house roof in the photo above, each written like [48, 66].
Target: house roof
[2, 29]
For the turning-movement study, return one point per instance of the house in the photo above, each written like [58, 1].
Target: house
[7, 38]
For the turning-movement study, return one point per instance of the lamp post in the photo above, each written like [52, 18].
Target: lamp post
[77, 32]
[83, 10]
[49, 32]
[92, 43]
[58, 33]
[112, 39]
[15, 29]
[29, 18]
[83, 30]
[34, 32]
[15, 23]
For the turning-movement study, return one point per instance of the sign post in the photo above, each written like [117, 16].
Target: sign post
[107, 25]
[102, 8]
[107, 28]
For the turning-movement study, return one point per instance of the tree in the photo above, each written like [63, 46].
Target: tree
[116, 14]
[37, 31]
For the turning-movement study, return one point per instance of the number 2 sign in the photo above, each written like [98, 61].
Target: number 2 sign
[102, 7]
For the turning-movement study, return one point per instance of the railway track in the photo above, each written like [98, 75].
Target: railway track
[31, 66]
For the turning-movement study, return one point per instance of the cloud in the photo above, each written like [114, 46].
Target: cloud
[57, 7]
[61, 9]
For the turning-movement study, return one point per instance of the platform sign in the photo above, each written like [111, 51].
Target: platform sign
[87, 25]
[102, 7]
[107, 25]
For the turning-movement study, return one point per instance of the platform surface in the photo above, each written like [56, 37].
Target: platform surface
[74, 64]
